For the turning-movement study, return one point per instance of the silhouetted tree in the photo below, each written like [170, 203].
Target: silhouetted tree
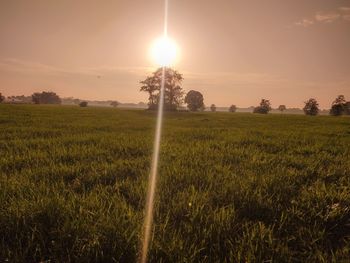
[194, 100]
[2, 98]
[232, 108]
[173, 93]
[311, 107]
[46, 98]
[339, 106]
[264, 108]
[282, 108]
[114, 104]
[213, 108]
[83, 104]
[347, 108]
[151, 85]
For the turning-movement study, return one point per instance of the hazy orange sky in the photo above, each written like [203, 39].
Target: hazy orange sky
[234, 52]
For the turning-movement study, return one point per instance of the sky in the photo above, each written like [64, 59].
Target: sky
[234, 52]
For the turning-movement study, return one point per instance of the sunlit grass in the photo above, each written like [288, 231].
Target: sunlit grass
[232, 187]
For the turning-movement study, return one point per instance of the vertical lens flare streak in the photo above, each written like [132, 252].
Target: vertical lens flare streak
[153, 176]
[148, 221]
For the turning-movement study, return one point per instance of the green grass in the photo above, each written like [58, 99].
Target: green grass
[232, 187]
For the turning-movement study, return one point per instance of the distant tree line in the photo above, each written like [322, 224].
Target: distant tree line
[174, 97]
[20, 99]
[46, 98]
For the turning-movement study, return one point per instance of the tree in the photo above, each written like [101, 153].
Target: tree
[114, 104]
[339, 106]
[83, 104]
[2, 98]
[151, 85]
[194, 100]
[264, 108]
[213, 108]
[347, 108]
[46, 98]
[232, 108]
[282, 108]
[173, 93]
[311, 107]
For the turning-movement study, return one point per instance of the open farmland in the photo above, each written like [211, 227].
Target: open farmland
[232, 187]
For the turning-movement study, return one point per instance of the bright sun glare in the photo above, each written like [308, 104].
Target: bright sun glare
[164, 51]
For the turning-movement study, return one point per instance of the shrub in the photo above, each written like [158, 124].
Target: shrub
[114, 104]
[282, 108]
[83, 104]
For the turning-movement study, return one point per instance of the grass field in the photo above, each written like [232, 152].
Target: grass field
[232, 187]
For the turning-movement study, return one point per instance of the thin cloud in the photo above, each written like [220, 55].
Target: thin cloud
[305, 22]
[99, 83]
[346, 17]
[344, 9]
[341, 13]
[17, 65]
[345, 12]
[327, 17]
[30, 67]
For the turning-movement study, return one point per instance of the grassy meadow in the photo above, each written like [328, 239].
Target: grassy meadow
[233, 187]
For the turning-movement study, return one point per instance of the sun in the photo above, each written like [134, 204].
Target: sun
[164, 51]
